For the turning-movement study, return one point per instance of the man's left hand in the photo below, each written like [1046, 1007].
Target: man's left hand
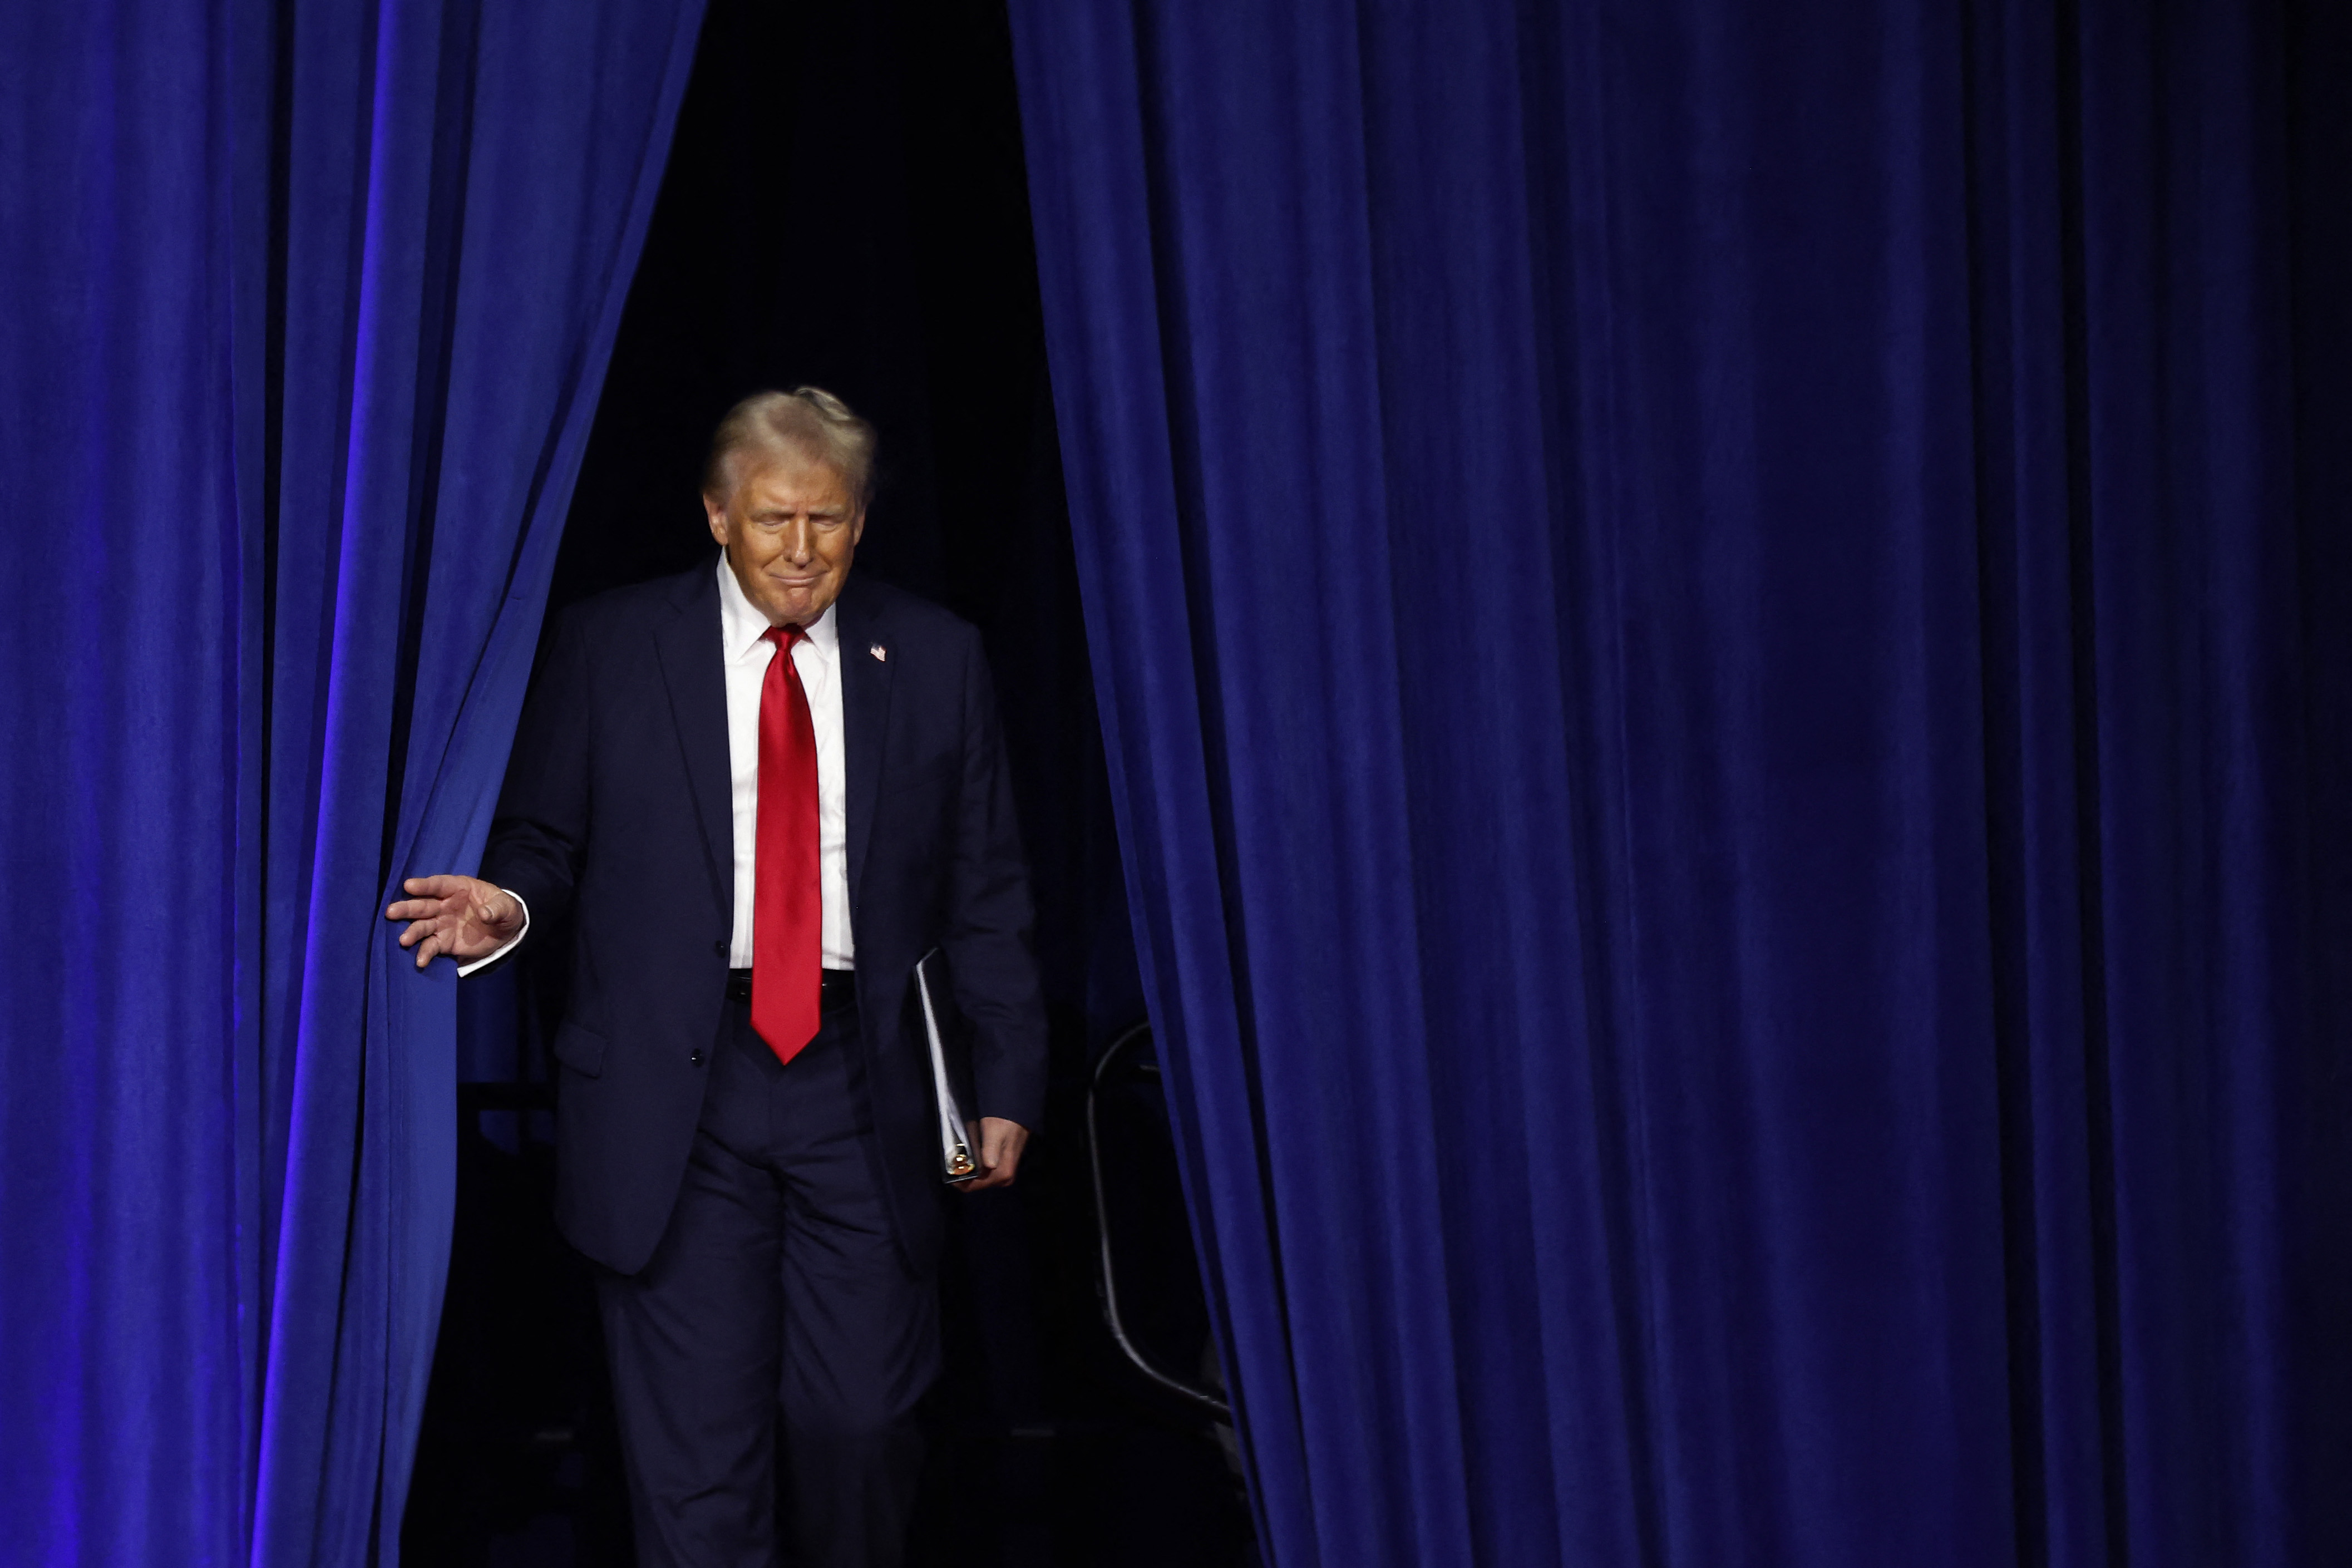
[1000, 1142]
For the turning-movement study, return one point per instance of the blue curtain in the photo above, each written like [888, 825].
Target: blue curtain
[1721, 632]
[308, 308]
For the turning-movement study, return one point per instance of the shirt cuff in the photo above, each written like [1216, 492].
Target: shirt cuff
[505, 947]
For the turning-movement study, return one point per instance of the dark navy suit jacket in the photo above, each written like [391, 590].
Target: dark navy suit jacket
[616, 809]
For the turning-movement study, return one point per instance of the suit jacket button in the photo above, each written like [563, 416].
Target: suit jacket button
[719, 948]
[693, 1059]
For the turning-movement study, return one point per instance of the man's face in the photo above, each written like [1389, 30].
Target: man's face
[789, 531]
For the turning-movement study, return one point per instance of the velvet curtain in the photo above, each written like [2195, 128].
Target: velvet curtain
[1721, 636]
[307, 310]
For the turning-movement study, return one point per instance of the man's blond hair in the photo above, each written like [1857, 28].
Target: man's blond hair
[807, 423]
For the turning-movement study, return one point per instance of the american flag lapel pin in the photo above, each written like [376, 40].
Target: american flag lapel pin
[881, 654]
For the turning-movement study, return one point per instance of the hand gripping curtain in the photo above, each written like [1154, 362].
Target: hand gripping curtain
[1722, 638]
[309, 306]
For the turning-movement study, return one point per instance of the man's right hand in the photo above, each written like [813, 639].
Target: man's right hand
[463, 917]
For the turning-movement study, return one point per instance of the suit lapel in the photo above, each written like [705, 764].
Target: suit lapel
[865, 718]
[694, 669]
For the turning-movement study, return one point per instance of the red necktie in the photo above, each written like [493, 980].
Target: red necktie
[787, 909]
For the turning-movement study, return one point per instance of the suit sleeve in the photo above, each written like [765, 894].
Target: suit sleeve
[542, 826]
[989, 915]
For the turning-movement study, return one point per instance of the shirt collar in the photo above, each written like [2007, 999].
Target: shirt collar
[742, 626]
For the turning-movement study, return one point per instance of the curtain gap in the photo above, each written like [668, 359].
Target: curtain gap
[1992, 321]
[438, 331]
[2089, 851]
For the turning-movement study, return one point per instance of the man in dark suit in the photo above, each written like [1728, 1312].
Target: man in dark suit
[763, 790]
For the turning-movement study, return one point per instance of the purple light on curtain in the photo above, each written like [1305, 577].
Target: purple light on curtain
[310, 308]
[1722, 638]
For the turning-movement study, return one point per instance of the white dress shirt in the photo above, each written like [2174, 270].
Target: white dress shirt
[818, 658]
[743, 641]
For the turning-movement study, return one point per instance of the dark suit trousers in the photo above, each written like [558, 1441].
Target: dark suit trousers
[777, 1310]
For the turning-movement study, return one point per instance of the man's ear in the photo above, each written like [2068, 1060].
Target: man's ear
[717, 511]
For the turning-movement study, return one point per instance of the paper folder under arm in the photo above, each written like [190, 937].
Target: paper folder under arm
[956, 1162]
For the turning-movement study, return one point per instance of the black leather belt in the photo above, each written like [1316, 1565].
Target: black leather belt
[838, 989]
